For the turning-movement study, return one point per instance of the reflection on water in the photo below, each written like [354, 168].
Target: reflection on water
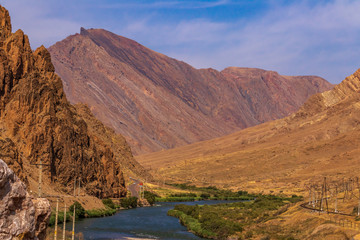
[145, 223]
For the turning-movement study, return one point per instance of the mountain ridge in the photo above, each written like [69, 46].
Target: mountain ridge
[158, 102]
[285, 155]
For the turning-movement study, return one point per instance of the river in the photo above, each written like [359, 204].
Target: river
[141, 223]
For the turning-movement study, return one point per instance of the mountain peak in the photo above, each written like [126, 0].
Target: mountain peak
[5, 23]
[159, 102]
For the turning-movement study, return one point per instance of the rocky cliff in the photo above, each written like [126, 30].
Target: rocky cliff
[157, 102]
[37, 123]
[21, 217]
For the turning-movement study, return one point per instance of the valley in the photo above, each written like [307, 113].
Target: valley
[128, 143]
[321, 139]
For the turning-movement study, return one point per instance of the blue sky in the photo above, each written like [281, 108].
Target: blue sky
[303, 37]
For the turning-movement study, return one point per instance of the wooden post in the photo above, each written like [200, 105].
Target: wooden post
[73, 226]
[56, 218]
[64, 229]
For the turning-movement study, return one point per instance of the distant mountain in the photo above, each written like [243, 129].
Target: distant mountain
[158, 102]
[321, 139]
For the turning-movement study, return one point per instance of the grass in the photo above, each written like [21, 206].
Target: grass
[94, 213]
[191, 223]
[221, 221]
[203, 193]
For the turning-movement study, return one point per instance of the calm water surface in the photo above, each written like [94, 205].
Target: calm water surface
[147, 222]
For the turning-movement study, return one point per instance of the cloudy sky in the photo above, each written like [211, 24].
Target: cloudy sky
[300, 37]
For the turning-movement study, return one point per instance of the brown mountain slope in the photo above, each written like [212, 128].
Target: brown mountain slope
[321, 139]
[37, 123]
[157, 102]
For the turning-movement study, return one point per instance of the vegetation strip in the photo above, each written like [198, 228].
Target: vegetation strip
[238, 219]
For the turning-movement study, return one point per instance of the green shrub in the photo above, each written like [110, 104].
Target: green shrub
[205, 196]
[60, 218]
[129, 202]
[100, 212]
[109, 203]
[190, 195]
[191, 223]
[79, 210]
[150, 197]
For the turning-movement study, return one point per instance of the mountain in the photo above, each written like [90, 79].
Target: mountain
[158, 102]
[321, 139]
[38, 124]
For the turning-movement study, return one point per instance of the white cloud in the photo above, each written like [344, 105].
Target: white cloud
[167, 4]
[300, 38]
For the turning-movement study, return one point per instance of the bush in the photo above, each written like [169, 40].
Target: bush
[205, 195]
[60, 218]
[129, 202]
[109, 203]
[100, 212]
[191, 223]
[150, 197]
[79, 210]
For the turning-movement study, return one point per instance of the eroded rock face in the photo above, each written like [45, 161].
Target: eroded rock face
[38, 123]
[20, 217]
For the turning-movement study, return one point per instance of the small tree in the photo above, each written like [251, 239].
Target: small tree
[129, 202]
[109, 203]
[79, 210]
[150, 197]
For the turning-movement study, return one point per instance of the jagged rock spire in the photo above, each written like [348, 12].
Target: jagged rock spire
[5, 23]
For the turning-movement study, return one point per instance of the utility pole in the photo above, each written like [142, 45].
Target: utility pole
[56, 218]
[64, 228]
[326, 195]
[73, 226]
[79, 186]
[357, 182]
[336, 198]
[75, 187]
[40, 176]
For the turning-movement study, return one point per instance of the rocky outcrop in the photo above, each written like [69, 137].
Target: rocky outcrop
[117, 143]
[20, 216]
[158, 103]
[37, 123]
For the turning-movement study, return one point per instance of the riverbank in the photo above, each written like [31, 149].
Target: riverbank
[237, 220]
[139, 223]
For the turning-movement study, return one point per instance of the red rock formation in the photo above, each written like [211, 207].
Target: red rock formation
[157, 102]
[38, 123]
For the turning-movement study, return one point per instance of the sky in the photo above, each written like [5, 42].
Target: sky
[299, 37]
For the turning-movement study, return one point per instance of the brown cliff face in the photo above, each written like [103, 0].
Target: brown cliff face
[37, 123]
[157, 102]
[321, 139]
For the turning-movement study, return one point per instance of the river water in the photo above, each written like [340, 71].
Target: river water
[141, 223]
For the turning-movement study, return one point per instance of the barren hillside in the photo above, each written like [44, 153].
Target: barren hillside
[158, 102]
